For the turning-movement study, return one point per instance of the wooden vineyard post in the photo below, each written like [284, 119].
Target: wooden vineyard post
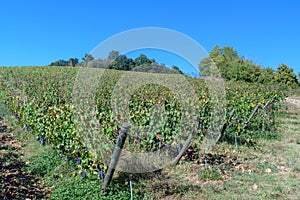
[266, 107]
[224, 127]
[116, 155]
[184, 148]
[251, 116]
[190, 137]
[267, 104]
[246, 125]
[187, 143]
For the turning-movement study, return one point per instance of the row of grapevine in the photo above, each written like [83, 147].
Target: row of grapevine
[41, 97]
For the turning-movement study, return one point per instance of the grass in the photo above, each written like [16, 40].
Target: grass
[210, 174]
[267, 170]
[58, 173]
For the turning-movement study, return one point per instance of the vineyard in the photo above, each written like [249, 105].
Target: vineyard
[42, 99]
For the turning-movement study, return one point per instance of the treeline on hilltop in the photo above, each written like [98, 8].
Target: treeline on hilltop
[117, 61]
[233, 67]
[225, 62]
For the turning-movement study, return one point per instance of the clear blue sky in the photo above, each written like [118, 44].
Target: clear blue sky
[37, 32]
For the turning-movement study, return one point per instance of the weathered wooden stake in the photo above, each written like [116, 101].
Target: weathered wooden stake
[184, 148]
[267, 104]
[251, 116]
[236, 143]
[116, 155]
[187, 143]
[224, 127]
[265, 108]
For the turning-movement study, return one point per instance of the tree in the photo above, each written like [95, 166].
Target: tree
[122, 63]
[267, 76]
[87, 58]
[177, 70]
[152, 60]
[113, 55]
[142, 59]
[244, 70]
[206, 67]
[229, 53]
[72, 62]
[285, 76]
[153, 68]
[227, 63]
[221, 62]
[60, 62]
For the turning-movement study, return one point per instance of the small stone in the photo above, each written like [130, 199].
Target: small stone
[268, 170]
[255, 186]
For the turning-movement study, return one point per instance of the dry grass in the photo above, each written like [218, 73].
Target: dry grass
[270, 170]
